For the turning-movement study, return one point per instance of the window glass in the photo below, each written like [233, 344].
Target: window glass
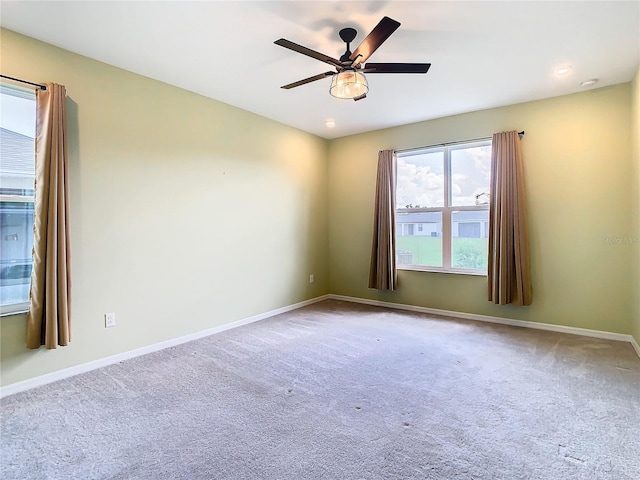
[442, 208]
[419, 238]
[470, 175]
[17, 160]
[420, 180]
[470, 239]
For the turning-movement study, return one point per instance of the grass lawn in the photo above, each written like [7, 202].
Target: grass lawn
[426, 250]
[467, 252]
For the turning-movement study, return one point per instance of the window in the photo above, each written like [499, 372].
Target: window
[17, 153]
[445, 191]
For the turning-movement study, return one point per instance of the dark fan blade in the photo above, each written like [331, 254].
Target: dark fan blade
[396, 68]
[307, 51]
[308, 80]
[378, 35]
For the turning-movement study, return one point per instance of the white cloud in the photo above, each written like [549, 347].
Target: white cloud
[418, 185]
[421, 179]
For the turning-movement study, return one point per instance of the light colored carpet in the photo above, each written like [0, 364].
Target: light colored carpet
[341, 391]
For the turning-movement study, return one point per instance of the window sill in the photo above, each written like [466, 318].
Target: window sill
[17, 309]
[417, 268]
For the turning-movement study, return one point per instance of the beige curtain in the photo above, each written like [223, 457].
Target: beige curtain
[383, 273]
[49, 317]
[509, 267]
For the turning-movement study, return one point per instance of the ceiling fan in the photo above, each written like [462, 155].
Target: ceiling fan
[348, 80]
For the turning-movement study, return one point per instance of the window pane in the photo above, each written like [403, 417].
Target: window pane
[16, 230]
[17, 150]
[470, 243]
[470, 176]
[420, 180]
[419, 239]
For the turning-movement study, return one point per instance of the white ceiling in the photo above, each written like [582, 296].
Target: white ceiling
[483, 54]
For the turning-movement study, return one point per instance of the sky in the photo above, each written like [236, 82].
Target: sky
[18, 114]
[421, 177]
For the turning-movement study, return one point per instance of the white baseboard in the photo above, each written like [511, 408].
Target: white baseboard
[103, 362]
[505, 321]
[635, 345]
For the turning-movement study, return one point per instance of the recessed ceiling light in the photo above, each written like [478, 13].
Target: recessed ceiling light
[563, 70]
[589, 83]
[330, 123]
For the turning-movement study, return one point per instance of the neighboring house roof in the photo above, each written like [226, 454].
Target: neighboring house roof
[17, 153]
[435, 217]
[482, 198]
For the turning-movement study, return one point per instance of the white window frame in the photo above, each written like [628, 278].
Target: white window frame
[447, 210]
[22, 307]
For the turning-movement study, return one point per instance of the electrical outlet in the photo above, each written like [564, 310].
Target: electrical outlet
[109, 320]
[311, 278]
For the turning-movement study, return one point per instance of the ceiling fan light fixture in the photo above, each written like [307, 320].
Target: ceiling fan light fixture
[349, 84]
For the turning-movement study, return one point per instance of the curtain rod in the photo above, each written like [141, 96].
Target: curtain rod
[448, 143]
[41, 87]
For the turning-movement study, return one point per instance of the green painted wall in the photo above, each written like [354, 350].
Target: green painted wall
[577, 153]
[186, 213]
[635, 214]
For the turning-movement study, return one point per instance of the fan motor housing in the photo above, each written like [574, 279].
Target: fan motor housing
[348, 34]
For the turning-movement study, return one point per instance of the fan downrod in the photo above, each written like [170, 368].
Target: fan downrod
[347, 35]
